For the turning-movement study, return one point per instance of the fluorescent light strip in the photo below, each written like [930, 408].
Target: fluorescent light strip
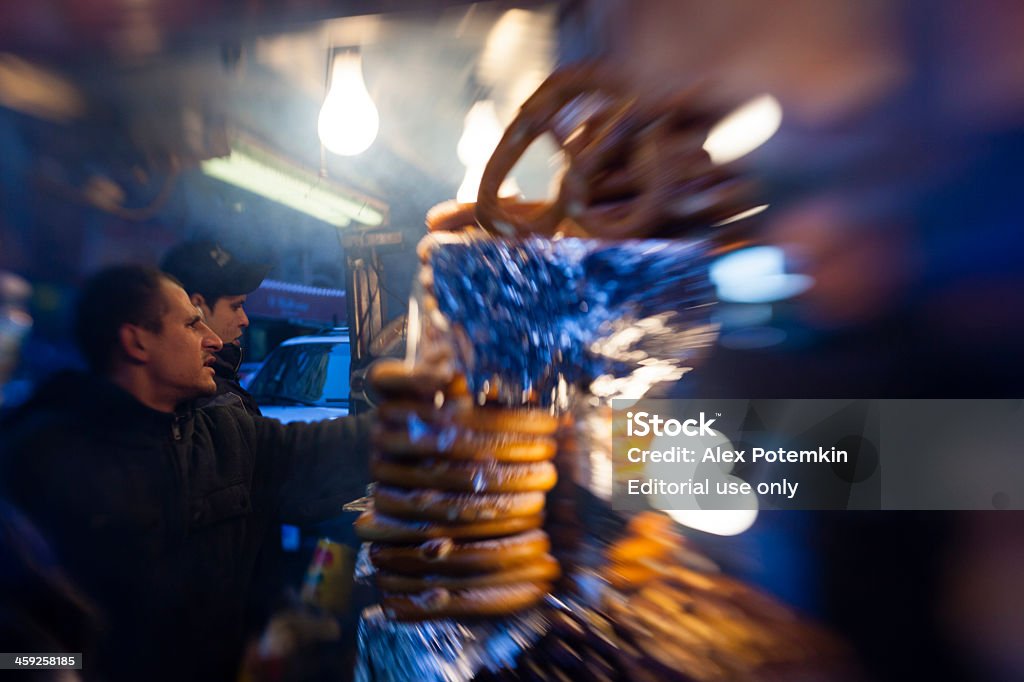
[308, 196]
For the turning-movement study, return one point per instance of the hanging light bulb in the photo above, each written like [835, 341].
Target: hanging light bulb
[744, 130]
[348, 121]
[480, 135]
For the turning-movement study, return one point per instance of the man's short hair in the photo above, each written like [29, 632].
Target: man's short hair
[114, 296]
[207, 268]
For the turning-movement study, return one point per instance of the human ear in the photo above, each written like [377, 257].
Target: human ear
[132, 342]
[199, 301]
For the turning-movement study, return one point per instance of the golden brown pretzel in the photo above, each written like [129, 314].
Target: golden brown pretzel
[459, 443]
[521, 420]
[452, 216]
[394, 379]
[542, 570]
[537, 116]
[505, 420]
[436, 505]
[484, 601]
[377, 527]
[445, 556]
[468, 477]
[633, 170]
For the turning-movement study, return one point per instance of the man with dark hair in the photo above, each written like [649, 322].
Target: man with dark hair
[157, 509]
[138, 293]
[217, 282]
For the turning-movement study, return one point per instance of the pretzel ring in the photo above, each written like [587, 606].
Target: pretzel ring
[394, 379]
[452, 216]
[466, 477]
[435, 505]
[455, 443]
[377, 527]
[633, 169]
[537, 116]
[444, 556]
[524, 421]
[543, 570]
[484, 601]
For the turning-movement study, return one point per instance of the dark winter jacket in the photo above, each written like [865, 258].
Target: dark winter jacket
[229, 389]
[159, 518]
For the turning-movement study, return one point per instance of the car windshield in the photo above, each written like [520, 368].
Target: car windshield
[304, 374]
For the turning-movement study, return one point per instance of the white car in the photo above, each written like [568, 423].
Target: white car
[305, 379]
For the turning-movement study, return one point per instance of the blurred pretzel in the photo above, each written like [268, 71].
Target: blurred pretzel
[632, 170]
[539, 114]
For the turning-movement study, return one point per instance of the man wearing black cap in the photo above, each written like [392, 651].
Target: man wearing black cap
[218, 283]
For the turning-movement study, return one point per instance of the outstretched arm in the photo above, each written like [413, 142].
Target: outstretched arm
[319, 466]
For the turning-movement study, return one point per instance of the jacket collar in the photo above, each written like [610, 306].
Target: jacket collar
[227, 361]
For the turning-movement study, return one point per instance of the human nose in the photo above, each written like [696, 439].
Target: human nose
[243, 322]
[211, 341]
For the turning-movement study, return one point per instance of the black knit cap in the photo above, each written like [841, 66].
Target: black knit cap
[207, 268]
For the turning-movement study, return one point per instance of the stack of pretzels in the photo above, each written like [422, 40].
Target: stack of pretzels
[459, 502]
